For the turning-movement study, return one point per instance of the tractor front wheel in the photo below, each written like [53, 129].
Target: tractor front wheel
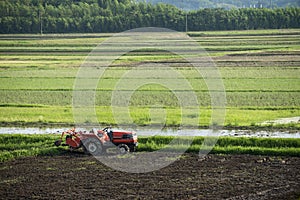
[123, 148]
[92, 146]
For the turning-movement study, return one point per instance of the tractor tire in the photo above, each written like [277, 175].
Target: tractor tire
[57, 143]
[132, 148]
[84, 149]
[92, 146]
[123, 149]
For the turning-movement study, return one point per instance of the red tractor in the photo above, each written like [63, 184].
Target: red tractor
[96, 142]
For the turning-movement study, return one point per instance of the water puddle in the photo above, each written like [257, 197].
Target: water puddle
[30, 130]
[166, 132]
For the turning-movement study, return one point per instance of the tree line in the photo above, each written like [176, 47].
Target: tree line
[100, 16]
[227, 4]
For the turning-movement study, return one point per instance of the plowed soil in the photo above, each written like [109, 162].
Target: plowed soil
[76, 176]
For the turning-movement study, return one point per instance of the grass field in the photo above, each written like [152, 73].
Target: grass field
[14, 145]
[260, 71]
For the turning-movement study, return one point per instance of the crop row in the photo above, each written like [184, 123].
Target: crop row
[13, 146]
[36, 145]
[76, 40]
[225, 141]
[73, 60]
[224, 145]
[189, 73]
[150, 84]
[146, 98]
[207, 46]
[141, 116]
[222, 42]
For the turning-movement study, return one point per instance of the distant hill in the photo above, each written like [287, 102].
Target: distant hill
[227, 4]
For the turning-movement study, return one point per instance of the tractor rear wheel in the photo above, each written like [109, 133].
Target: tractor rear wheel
[92, 146]
[123, 148]
[57, 143]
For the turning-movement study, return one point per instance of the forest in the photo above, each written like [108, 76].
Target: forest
[227, 4]
[101, 16]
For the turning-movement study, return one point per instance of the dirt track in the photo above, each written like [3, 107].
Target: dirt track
[76, 176]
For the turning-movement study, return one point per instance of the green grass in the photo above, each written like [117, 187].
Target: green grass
[227, 145]
[259, 68]
[13, 146]
[284, 72]
[232, 84]
[247, 33]
[145, 98]
[247, 117]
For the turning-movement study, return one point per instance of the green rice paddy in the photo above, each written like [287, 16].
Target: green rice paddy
[260, 71]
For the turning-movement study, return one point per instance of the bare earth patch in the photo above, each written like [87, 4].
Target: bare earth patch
[76, 176]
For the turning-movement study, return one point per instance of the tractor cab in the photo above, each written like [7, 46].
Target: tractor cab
[106, 135]
[109, 133]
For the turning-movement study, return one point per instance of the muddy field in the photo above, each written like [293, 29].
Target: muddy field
[77, 176]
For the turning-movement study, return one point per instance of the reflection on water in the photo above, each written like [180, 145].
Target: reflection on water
[22, 130]
[165, 132]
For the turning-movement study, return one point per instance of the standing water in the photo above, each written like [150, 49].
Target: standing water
[166, 132]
